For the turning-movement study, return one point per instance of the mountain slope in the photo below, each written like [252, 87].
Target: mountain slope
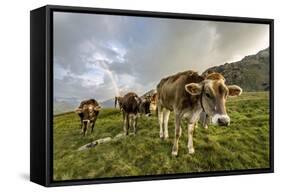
[108, 103]
[251, 73]
[62, 105]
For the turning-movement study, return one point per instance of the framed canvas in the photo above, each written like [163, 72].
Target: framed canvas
[122, 95]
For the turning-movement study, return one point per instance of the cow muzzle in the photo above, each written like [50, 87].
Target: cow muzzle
[221, 120]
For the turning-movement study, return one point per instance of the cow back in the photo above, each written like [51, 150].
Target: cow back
[171, 90]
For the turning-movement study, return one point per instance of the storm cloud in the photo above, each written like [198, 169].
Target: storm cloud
[100, 56]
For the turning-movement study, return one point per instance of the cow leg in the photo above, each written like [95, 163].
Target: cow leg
[125, 122]
[81, 122]
[93, 125]
[196, 125]
[82, 126]
[88, 126]
[166, 114]
[190, 138]
[206, 121]
[180, 130]
[134, 123]
[85, 124]
[160, 120]
[130, 120]
[177, 135]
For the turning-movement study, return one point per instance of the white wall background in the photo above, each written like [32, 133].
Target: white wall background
[14, 94]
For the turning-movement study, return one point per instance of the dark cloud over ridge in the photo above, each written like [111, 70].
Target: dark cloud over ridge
[139, 51]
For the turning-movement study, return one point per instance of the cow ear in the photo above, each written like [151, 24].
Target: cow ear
[97, 108]
[78, 110]
[193, 88]
[137, 99]
[234, 90]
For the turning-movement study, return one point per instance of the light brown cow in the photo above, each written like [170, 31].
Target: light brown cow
[153, 102]
[188, 94]
[88, 111]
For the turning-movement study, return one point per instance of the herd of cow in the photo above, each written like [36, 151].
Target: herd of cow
[188, 94]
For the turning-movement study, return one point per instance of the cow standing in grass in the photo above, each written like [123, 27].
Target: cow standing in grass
[88, 111]
[118, 100]
[188, 94]
[153, 102]
[132, 105]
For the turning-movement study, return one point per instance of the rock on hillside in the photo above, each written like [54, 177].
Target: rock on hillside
[251, 73]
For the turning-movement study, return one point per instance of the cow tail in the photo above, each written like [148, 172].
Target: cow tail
[115, 102]
[157, 98]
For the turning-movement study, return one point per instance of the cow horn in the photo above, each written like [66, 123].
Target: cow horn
[137, 99]
[78, 110]
[97, 108]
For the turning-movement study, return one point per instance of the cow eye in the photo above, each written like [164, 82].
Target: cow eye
[208, 95]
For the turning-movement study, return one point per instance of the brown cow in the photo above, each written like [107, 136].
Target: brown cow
[153, 102]
[118, 99]
[188, 94]
[130, 108]
[151, 99]
[88, 111]
[144, 107]
[132, 105]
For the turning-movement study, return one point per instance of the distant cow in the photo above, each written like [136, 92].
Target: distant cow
[131, 106]
[144, 107]
[153, 102]
[88, 111]
[151, 96]
[118, 100]
[188, 94]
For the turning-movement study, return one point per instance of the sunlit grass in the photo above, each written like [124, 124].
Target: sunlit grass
[242, 145]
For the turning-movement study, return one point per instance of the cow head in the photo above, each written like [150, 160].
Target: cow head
[91, 111]
[213, 94]
[118, 100]
[153, 102]
[144, 107]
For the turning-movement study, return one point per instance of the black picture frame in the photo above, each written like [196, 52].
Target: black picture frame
[41, 93]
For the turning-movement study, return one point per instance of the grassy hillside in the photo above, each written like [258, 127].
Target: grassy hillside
[251, 73]
[242, 145]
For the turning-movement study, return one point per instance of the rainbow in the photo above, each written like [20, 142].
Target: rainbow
[105, 67]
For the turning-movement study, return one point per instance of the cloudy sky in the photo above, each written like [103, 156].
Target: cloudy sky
[100, 56]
